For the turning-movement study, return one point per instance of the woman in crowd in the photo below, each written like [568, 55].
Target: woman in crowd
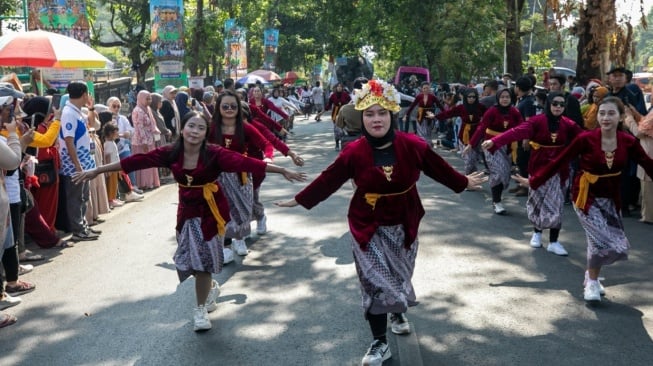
[203, 209]
[497, 120]
[98, 203]
[425, 101]
[145, 132]
[10, 158]
[603, 153]
[549, 134]
[385, 210]
[126, 132]
[169, 110]
[596, 95]
[230, 131]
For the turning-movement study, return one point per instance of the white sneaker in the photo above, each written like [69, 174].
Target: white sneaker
[376, 354]
[536, 240]
[261, 227]
[498, 208]
[7, 301]
[133, 196]
[598, 280]
[201, 319]
[592, 291]
[556, 248]
[210, 304]
[240, 246]
[399, 324]
[228, 255]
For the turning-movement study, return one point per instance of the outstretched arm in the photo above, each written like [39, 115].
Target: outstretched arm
[85, 175]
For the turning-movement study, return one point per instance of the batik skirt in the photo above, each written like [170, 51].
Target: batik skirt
[545, 204]
[194, 254]
[385, 270]
[241, 199]
[606, 239]
[499, 164]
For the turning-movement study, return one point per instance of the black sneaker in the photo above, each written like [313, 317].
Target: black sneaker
[399, 323]
[85, 236]
[376, 354]
[94, 231]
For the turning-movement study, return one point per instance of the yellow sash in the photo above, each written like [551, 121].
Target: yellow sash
[513, 145]
[334, 113]
[208, 190]
[371, 198]
[584, 186]
[243, 175]
[420, 114]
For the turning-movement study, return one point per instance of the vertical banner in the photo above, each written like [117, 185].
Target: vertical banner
[270, 44]
[68, 18]
[167, 38]
[235, 48]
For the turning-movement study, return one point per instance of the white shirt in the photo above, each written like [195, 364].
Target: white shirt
[110, 152]
[73, 125]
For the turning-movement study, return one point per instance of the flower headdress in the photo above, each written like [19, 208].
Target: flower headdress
[377, 92]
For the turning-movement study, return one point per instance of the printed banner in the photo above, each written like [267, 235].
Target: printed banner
[167, 39]
[235, 48]
[270, 43]
[67, 17]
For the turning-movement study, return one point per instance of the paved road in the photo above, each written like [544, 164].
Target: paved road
[486, 297]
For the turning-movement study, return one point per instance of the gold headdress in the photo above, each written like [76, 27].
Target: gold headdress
[377, 92]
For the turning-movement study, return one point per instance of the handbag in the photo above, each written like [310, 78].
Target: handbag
[45, 172]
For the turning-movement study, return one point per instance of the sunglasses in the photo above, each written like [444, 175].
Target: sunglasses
[558, 104]
[115, 106]
[227, 106]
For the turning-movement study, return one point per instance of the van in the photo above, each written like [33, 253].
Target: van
[404, 73]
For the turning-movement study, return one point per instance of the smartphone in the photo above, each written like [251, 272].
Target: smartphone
[56, 100]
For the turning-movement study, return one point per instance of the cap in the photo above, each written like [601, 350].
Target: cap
[617, 69]
[218, 83]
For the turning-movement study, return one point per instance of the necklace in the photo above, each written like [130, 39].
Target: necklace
[554, 136]
[609, 158]
[505, 123]
[227, 142]
[387, 170]
[189, 179]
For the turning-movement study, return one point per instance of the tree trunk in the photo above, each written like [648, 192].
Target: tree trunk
[513, 37]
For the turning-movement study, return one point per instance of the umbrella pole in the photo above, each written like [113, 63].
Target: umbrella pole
[41, 93]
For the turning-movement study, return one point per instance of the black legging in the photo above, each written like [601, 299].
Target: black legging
[553, 234]
[378, 325]
[496, 193]
[10, 255]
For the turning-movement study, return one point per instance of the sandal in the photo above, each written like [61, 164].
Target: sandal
[28, 256]
[21, 287]
[7, 320]
[64, 244]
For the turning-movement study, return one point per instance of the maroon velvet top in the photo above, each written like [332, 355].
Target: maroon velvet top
[496, 121]
[356, 161]
[274, 141]
[257, 113]
[191, 200]
[267, 105]
[431, 100]
[253, 139]
[587, 146]
[536, 129]
[337, 99]
[467, 119]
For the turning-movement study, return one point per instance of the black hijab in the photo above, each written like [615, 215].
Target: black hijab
[553, 121]
[502, 109]
[377, 142]
[471, 108]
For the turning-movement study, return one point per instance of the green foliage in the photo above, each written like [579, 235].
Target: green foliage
[539, 60]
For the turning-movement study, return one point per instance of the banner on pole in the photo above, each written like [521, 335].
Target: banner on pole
[270, 44]
[167, 42]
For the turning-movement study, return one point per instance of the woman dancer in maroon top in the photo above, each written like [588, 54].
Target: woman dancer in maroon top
[470, 112]
[336, 100]
[549, 133]
[385, 211]
[425, 101]
[203, 209]
[497, 120]
[604, 153]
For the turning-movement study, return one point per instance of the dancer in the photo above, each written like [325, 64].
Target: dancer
[548, 133]
[497, 120]
[603, 154]
[425, 101]
[385, 211]
[203, 209]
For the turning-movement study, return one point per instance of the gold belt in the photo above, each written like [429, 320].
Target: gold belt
[584, 186]
[371, 198]
[537, 146]
[208, 190]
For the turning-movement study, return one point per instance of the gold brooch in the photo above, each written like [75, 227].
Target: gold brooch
[227, 142]
[387, 170]
[609, 159]
[189, 179]
[554, 136]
